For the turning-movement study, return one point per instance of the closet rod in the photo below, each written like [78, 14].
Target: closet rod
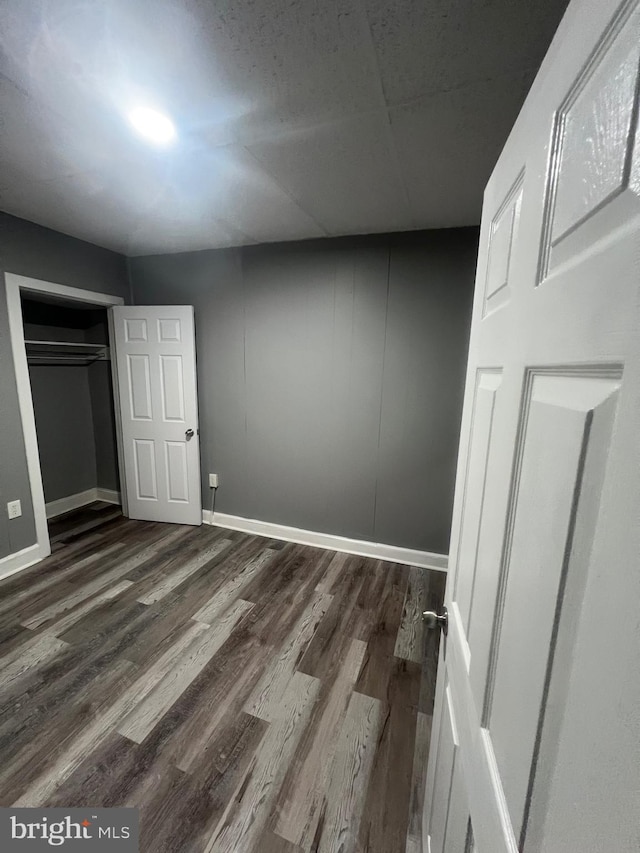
[65, 352]
[70, 345]
[60, 359]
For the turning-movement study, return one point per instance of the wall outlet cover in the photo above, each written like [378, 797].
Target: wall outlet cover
[213, 481]
[14, 509]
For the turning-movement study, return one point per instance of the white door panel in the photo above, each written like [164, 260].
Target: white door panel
[536, 735]
[459, 832]
[548, 504]
[155, 355]
[487, 384]
[445, 759]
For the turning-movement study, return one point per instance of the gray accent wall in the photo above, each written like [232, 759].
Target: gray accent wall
[38, 252]
[64, 424]
[104, 426]
[102, 408]
[330, 377]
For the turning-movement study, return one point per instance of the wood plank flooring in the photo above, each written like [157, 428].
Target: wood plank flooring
[246, 695]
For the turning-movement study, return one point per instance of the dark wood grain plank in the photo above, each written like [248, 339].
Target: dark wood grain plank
[304, 792]
[340, 623]
[420, 760]
[272, 843]
[385, 817]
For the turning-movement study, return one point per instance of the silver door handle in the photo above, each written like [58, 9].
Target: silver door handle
[189, 434]
[432, 620]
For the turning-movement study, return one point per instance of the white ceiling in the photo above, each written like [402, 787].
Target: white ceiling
[296, 118]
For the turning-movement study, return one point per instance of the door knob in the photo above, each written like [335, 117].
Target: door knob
[189, 434]
[432, 620]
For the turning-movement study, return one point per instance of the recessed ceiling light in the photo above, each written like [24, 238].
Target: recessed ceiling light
[154, 126]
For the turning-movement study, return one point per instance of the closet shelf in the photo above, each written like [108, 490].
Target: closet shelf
[65, 352]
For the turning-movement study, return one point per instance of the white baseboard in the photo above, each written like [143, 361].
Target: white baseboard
[360, 547]
[22, 560]
[62, 505]
[108, 496]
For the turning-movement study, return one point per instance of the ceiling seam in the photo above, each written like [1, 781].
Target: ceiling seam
[291, 197]
[447, 90]
[391, 142]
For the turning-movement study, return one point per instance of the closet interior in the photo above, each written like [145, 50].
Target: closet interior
[67, 347]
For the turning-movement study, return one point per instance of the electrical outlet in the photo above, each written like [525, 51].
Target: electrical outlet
[213, 481]
[14, 509]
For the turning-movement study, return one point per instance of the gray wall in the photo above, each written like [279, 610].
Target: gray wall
[104, 426]
[31, 250]
[330, 377]
[102, 408]
[64, 424]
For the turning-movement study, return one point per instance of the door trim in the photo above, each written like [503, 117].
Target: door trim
[14, 285]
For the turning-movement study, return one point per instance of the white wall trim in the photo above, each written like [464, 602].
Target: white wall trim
[75, 294]
[22, 559]
[117, 412]
[360, 547]
[13, 285]
[25, 403]
[66, 504]
[109, 496]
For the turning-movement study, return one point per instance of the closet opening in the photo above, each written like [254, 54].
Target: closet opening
[68, 358]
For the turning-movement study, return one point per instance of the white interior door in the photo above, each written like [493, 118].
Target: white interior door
[156, 370]
[536, 735]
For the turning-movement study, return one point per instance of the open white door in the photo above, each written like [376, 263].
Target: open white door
[536, 735]
[156, 370]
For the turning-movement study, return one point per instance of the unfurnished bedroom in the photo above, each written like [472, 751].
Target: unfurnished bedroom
[319, 393]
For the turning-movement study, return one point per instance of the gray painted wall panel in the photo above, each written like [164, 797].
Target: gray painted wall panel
[102, 407]
[357, 364]
[42, 332]
[64, 424]
[427, 339]
[288, 320]
[330, 377]
[14, 483]
[103, 426]
[221, 385]
[31, 250]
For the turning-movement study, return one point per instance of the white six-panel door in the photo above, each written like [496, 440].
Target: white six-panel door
[536, 735]
[156, 369]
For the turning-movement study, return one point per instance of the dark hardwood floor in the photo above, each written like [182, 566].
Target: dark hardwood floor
[244, 693]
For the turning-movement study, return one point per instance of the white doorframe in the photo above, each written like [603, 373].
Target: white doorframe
[15, 285]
